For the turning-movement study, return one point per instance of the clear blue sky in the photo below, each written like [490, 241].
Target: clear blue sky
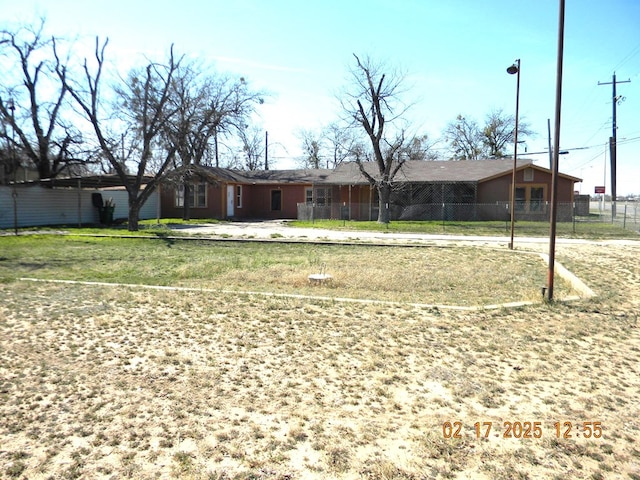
[455, 54]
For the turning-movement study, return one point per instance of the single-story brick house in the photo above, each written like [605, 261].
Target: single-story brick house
[260, 194]
[454, 190]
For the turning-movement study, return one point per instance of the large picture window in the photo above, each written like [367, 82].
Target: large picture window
[531, 198]
[322, 197]
[197, 195]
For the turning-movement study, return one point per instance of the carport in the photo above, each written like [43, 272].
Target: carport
[62, 200]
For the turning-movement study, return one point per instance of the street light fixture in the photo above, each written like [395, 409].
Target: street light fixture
[514, 69]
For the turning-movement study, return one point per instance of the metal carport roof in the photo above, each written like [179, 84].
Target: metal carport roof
[90, 181]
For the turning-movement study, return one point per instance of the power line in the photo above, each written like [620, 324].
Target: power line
[633, 53]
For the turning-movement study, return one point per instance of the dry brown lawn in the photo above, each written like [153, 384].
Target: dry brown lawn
[112, 382]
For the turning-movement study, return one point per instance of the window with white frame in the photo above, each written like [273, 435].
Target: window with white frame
[197, 195]
[238, 196]
[323, 197]
[179, 196]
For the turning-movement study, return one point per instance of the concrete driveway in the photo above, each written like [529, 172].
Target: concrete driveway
[280, 229]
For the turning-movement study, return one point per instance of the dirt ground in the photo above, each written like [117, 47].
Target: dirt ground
[109, 382]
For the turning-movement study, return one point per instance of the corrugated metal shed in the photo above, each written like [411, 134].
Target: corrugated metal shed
[35, 205]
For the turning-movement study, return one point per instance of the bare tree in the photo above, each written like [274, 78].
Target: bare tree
[207, 106]
[465, 139]
[374, 104]
[312, 146]
[340, 142]
[419, 148]
[210, 107]
[252, 139]
[32, 101]
[499, 130]
[144, 109]
[468, 141]
[328, 147]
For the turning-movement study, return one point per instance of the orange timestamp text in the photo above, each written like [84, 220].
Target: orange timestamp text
[517, 429]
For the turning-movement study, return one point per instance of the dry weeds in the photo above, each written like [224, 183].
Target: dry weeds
[107, 382]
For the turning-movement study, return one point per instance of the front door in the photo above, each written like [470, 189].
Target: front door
[230, 199]
[276, 200]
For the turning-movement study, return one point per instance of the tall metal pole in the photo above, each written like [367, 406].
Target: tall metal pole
[556, 154]
[515, 68]
[14, 165]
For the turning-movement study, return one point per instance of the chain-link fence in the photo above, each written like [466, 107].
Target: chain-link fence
[458, 202]
[528, 214]
[623, 214]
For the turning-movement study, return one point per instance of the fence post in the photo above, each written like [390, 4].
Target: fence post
[613, 212]
[79, 203]
[600, 206]
[14, 194]
[624, 220]
[506, 222]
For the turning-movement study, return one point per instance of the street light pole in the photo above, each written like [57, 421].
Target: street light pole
[14, 166]
[514, 69]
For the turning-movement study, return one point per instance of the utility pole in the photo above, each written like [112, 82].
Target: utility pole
[266, 150]
[556, 151]
[215, 142]
[612, 142]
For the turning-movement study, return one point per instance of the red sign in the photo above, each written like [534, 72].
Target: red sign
[600, 190]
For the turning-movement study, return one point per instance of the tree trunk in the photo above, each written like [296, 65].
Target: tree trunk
[384, 194]
[44, 168]
[186, 212]
[134, 213]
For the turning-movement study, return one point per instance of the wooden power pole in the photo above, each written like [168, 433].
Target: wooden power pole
[612, 142]
[266, 150]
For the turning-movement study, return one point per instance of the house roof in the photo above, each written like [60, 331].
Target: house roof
[301, 176]
[347, 173]
[289, 176]
[436, 171]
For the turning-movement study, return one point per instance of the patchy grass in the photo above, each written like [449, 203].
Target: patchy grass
[427, 275]
[146, 228]
[112, 382]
